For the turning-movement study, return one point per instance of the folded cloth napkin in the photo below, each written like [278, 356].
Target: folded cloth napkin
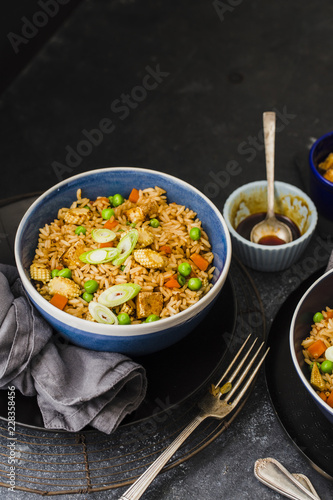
[74, 386]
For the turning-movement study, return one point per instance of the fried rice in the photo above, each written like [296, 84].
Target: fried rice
[322, 330]
[170, 239]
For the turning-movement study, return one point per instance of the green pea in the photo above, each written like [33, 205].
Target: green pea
[54, 273]
[124, 319]
[154, 223]
[87, 296]
[194, 284]
[181, 280]
[195, 233]
[133, 224]
[91, 286]
[326, 366]
[86, 206]
[184, 269]
[151, 318]
[318, 317]
[110, 199]
[117, 200]
[65, 273]
[80, 230]
[107, 213]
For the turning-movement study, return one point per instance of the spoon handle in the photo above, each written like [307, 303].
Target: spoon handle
[269, 138]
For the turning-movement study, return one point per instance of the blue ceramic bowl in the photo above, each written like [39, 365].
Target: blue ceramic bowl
[316, 298]
[128, 339]
[321, 190]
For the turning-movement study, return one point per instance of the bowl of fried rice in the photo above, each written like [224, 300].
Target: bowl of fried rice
[311, 342]
[123, 259]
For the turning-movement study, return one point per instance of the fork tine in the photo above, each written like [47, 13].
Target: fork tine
[250, 379]
[233, 361]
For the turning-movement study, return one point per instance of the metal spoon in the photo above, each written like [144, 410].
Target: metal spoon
[271, 226]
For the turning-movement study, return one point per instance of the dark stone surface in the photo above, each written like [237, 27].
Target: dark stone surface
[201, 123]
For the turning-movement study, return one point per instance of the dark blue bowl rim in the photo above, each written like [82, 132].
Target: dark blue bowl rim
[127, 330]
[300, 373]
[313, 166]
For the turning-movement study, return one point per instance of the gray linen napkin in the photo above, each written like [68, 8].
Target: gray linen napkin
[74, 386]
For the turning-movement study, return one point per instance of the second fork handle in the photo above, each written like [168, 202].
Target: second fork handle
[141, 484]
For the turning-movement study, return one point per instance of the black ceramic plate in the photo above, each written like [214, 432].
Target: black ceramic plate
[174, 374]
[310, 431]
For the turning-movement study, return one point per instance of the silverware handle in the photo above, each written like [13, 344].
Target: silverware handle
[269, 120]
[141, 484]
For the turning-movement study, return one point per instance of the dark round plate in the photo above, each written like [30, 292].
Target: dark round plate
[309, 430]
[192, 361]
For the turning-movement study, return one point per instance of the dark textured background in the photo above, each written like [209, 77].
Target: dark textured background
[201, 123]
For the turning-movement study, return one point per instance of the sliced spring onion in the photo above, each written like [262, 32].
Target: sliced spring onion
[329, 353]
[118, 294]
[126, 246]
[102, 314]
[99, 255]
[103, 235]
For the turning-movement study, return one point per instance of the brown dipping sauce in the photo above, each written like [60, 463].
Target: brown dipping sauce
[244, 228]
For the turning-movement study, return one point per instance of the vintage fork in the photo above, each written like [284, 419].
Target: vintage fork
[210, 406]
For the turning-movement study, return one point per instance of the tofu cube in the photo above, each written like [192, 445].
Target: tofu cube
[148, 303]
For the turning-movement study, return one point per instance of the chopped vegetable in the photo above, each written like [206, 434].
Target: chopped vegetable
[87, 296]
[102, 314]
[99, 255]
[110, 198]
[329, 353]
[165, 248]
[329, 400]
[194, 284]
[327, 366]
[80, 230]
[184, 269]
[199, 261]
[172, 282]
[134, 196]
[91, 286]
[108, 244]
[65, 273]
[124, 319]
[181, 280]
[40, 273]
[126, 246]
[323, 396]
[118, 294]
[317, 380]
[64, 286]
[59, 301]
[318, 317]
[103, 235]
[195, 233]
[54, 273]
[151, 318]
[154, 223]
[111, 223]
[107, 213]
[149, 258]
[329, 314]
[317, 349]
[76, 216]
[117, 200]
